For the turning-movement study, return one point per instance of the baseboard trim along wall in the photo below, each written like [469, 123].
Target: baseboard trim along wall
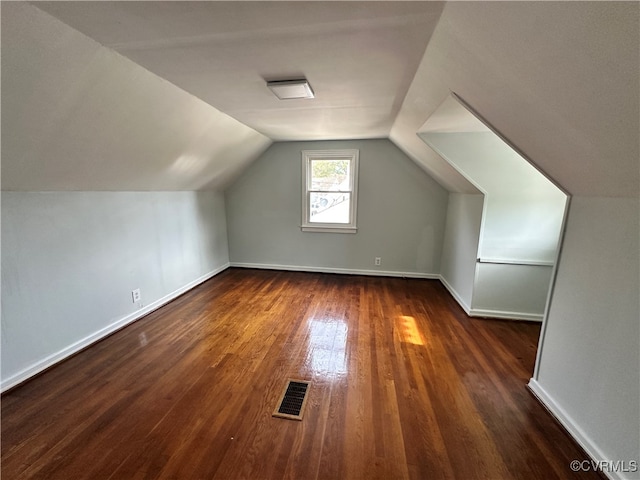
[536, 389]
[457, 297]
[530, 317]
[344, 271]
[572, 429]
[76, 347]
[472, 312]
[499, 314]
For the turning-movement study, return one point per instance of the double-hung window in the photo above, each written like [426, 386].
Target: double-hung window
[329, 190]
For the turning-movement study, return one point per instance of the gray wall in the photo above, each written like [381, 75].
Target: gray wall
[460, 251]
[590, 350]
[511, 291]
[83, 121]
[401, 214]
[71, 259]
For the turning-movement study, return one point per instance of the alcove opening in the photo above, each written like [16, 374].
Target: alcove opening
[508, 233]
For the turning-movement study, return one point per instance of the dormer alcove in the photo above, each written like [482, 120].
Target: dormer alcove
[517, 217]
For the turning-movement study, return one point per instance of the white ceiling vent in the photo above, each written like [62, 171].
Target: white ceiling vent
[290, 89]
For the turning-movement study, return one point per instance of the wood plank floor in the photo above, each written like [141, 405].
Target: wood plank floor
[404, 385]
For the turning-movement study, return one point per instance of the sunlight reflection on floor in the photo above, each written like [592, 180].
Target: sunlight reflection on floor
[327, 349]
[408, 329]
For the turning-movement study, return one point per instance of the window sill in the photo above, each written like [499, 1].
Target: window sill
[328, 229]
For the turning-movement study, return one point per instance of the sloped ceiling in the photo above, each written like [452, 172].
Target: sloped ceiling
[360, 57]
[78, 116]
[558, 79]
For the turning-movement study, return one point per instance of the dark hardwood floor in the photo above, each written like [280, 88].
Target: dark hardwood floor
[404, 385]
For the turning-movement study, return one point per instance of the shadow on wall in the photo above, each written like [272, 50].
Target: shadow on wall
[522, 215]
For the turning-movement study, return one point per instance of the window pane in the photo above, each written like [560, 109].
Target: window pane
[329, 207]
[330, 183]
[330, 174]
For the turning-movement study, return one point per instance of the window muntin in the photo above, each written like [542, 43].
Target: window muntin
[330, 190]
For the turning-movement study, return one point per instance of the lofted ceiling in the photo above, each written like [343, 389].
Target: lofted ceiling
[560, 80]
[360, 57]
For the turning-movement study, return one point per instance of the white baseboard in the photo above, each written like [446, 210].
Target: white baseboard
[386, 273]
[531, 317]
[54, 358]
[455, 295]
[344, 271]
[573, 429]
[476, 312]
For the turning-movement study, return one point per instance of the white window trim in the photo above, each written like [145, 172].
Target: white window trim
[309, 155]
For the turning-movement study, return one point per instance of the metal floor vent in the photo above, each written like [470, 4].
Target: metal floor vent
[292, 400]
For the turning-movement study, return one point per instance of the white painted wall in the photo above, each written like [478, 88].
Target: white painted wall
[401, 214]
[460, 249]
[511, 291]
[589, 357]
[560, 80]
[484, 289]
[567, 97]
[524, 210]
[78, 117]
[71, 259]
[521, 221]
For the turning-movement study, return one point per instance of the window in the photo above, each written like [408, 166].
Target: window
[329, 190]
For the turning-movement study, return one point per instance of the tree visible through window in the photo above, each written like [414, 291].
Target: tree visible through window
[330, 190]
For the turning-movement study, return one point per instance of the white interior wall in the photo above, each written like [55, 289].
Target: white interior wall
[523, 227]
[522, 216]
[560, 80]
[511, 291]
[587, 372]
[460, 248]
[524, 211]
[71, 259]
[568, 98]
[401, 215]
[89, 127]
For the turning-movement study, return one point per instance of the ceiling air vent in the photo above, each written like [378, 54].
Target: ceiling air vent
[290, 89]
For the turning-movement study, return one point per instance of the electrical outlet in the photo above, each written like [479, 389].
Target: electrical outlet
[377, 261]
[135, 295]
